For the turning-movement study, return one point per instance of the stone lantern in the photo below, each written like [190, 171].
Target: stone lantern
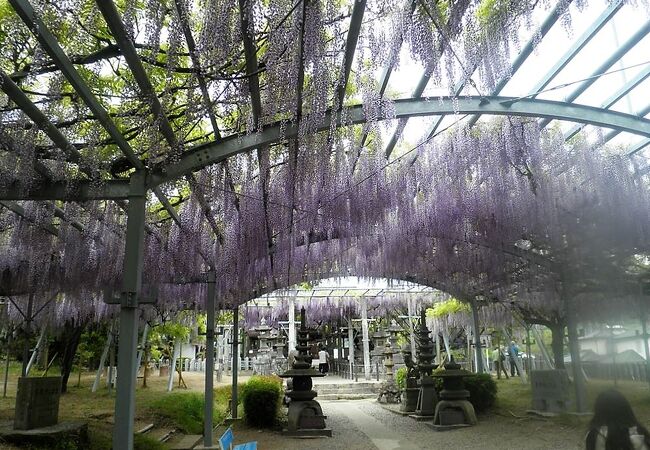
[305, 416]
[389, 392]
[427, 397]
[453, 409]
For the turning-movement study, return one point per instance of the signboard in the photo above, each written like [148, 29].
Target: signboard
[550, 390]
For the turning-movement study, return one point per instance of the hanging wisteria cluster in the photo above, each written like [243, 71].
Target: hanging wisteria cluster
[505, 210]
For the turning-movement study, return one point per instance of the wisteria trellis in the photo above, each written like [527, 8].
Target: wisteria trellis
[504, 210]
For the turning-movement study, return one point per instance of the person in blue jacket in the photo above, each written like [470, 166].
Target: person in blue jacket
[513, 353]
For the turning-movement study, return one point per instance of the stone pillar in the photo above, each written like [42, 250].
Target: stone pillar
[235, 360]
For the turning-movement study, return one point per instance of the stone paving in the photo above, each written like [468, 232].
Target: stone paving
[365, 425]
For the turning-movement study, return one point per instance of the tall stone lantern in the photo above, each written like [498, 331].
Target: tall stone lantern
[305, 416]
[427, 398]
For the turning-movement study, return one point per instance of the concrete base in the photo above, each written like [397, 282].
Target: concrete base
[308, 433]
[420, 418]
[46, 437]
[454, 412]
[447, 427]
[201, 447]
[394, 409]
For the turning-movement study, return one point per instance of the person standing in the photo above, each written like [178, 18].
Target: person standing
[513, 353]
[323, 361]
[497, 359]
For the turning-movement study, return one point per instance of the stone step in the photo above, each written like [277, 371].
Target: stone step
[184, 441]
[359, 392]
[345, 396]
[346, 389]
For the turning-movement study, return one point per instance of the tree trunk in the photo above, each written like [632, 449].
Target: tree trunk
[557, 344]
[72, 331]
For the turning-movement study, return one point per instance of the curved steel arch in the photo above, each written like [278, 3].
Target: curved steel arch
[215, 152]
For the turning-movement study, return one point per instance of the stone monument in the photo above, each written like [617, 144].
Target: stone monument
[550, 391]
[389, 392]
[305, 416]
[411, 390]
[427, 397]
[37, 402]
[453, 409]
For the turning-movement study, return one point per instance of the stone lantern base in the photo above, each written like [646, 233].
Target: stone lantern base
[409, 400]
[306, 419]
[454, 414]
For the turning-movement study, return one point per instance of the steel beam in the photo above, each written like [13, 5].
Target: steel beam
[388, 71]
[636, 148]
[417, 93]
[73, 190]
[540, 33]
[212, 153]
[609, 62]
[20, 211]
[42, 122]
[613, 133]
[578, 45]
[61, 60]
[356, 20]
[622, 92]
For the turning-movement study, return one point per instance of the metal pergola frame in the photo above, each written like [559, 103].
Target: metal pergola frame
[221, 148]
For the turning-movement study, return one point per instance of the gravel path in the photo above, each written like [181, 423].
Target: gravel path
[365, 425]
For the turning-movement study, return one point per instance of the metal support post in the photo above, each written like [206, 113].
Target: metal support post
[529, 360]
[477, 338]
[292, 323]
[143, 343]
[37, 350]
[209, 361]
[235, 360]
[28, 333]
[4, 388]
[102, 359]
[644, 328]
[351, 346]
[576, 366]
[366, 341]
[172, 364]
[409, 306]
[132, 277]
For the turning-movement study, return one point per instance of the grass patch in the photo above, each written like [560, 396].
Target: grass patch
[185, 410]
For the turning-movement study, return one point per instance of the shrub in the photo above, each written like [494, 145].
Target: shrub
[482, 391]
[400, 378]
[261, 399]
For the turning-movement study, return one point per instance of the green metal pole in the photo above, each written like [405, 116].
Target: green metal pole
[235, 359]
[132, 276]
[209, 361]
